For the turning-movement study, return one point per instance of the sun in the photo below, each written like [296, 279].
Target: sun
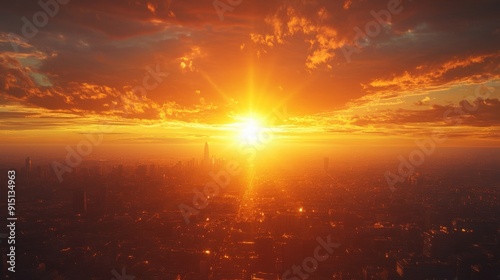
[254, 130]
[251, 129]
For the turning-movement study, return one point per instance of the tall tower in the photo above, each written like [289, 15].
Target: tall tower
[206, 158]
[27, 166]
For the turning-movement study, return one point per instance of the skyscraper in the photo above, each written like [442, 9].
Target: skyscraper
[27, 166]
[206, 158]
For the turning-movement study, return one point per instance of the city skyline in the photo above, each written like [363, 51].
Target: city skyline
[264, 223]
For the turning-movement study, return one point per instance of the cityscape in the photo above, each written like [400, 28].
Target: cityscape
[441, 223]
[250, 140]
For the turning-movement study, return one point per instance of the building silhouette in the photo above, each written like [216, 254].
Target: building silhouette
[207, 153]
[206, 157]
[27, 167]
[438, 244]
[79, 201]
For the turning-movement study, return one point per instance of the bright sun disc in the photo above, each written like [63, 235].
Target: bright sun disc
[250, 131]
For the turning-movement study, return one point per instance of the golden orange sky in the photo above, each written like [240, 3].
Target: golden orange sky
[318, 72]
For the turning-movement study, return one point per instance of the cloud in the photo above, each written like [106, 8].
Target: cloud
[288, 22]
[457, 70]
[424, 101]
[479, 113]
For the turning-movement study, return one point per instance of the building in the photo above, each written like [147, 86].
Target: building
[264, 276]
[153, 170]
[206, 157]
[264, 248]
[27, 167]
[425, 269]
[79, 201]
[192, 164]
[438, 244]
[485, 271]
[142, 171]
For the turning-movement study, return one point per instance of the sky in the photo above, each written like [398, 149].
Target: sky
[323, 72]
